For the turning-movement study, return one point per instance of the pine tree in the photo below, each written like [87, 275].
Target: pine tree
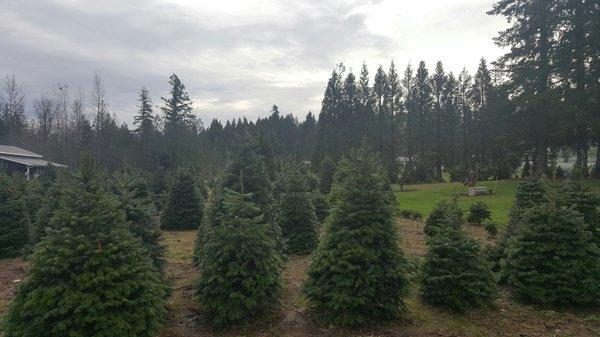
[438, 84]
[50, 204]
[529, 193]
[531, 39]
[296, 214]
[134, 199]
[184, 205]
[554, 260]
[574, 195]
[455, 275]
[357, 272]
[326, 173]
[257, 182]
[91, 276]
[13, 220]
[478, 212]
[241, 269]
[177, 109]
[444, 215]
[144, 119]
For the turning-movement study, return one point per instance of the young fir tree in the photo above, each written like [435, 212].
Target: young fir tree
[319, 199]
[13, 220]
[134, 199]
[296, 214]
[554, 260]
[90, 277]
[574, 195]
[529, 193]
[241, 269]
[479, 212]
[257, 183]
[444, 215]
[184, 205]
[455, 275]
[50, 204]
[357, 272]
[326, 175]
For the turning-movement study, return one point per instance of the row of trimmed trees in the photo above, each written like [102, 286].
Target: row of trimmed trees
[549, 253]
[95, 253]
[358, 270]
[97, 260]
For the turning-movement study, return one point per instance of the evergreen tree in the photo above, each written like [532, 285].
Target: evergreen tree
[326, 173]
[438, 85]
[455, 275]
[296, 214]
[184, 206]
[42, 220]
[575, 196]
[421, 97]
[144, 119]
[478, 212]
[241, 269]
[257, 182]
[177, 109]
[529, 193]
[13, 220]
[529, 63]
[134, 199]
[444, 215]
[90, 277]
[357, 272]
[554, 260]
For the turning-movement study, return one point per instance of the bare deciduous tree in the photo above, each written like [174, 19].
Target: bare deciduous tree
[45, 113]
[13, 109]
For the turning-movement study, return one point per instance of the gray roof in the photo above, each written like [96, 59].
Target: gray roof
[17, 151]
[29, 161]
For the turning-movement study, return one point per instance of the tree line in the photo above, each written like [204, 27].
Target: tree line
[539, 98]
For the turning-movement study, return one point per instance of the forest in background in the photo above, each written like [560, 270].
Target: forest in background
[540, 97]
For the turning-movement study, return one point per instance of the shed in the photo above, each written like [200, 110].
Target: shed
[16, 159]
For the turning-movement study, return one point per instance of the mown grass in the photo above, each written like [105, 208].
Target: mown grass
[424, 197]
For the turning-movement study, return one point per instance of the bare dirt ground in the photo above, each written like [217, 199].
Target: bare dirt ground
[290, 317]
[11, 271]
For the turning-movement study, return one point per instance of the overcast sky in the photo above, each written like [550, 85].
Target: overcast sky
[236, 58]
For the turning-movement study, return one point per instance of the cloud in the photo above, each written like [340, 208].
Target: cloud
[235, 57]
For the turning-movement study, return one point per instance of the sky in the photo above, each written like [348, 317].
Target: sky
[236, 58]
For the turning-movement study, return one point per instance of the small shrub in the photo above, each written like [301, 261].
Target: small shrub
[416, 215]
[410, 214]
[405, 213]
[491, 228]
[554, 260]
[455, 274]
[184, 206]
[478, 212]
[444, 215]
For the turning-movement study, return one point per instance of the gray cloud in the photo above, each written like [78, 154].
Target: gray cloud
[232, 63]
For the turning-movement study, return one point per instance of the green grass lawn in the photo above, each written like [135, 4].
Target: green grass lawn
[423, 197]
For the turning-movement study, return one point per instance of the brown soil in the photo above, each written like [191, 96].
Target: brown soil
[11, 272]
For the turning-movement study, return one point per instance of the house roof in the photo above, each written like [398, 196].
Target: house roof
[32, 162]
[17, 151]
